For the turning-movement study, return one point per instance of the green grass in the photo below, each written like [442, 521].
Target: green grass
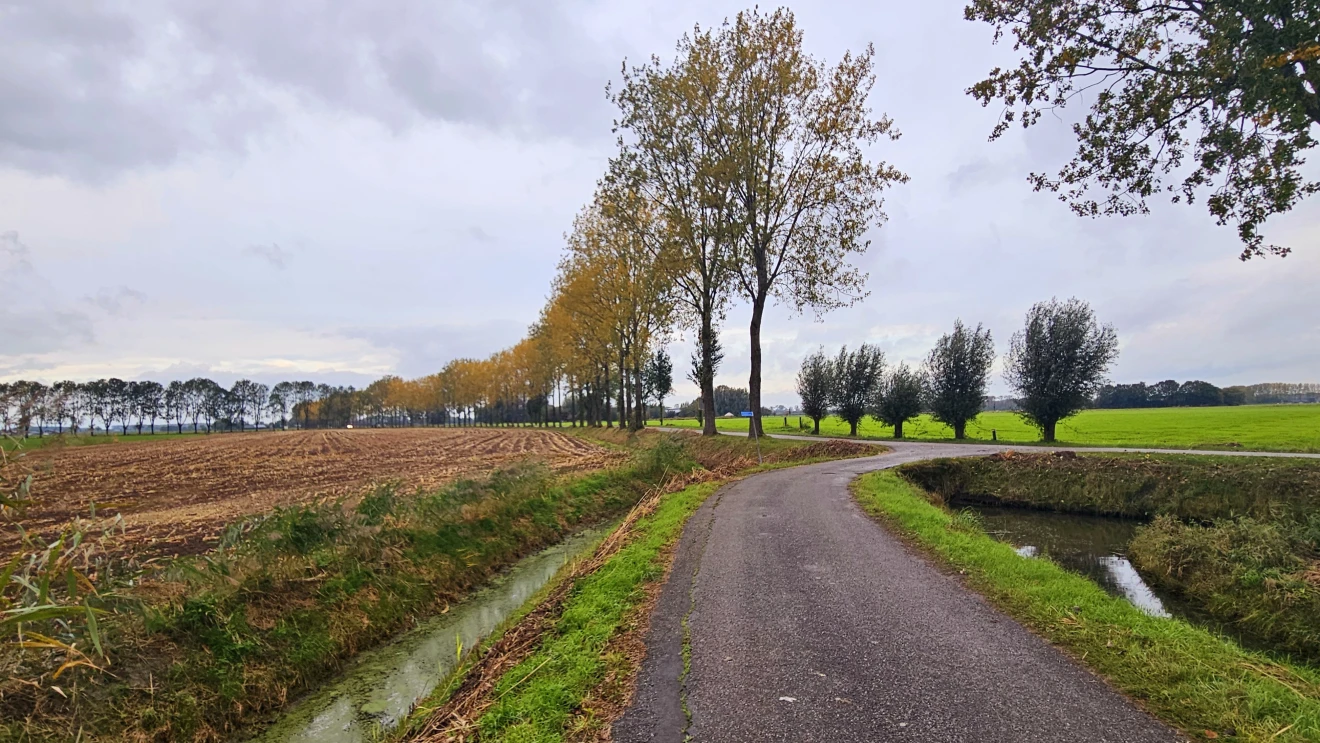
[1250, 427]
[1133, 485]
[1184, 675]
[538, 699]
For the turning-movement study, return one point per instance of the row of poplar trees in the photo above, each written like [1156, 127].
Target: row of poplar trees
[741, 175]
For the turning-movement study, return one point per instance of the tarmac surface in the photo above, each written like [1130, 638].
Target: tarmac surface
[810, 622]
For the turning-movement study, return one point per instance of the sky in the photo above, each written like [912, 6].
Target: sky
[337, 190]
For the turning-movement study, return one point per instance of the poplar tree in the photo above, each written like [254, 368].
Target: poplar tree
[793, 132]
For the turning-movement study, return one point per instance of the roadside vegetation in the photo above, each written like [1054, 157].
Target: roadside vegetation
[1186, 676]
[1238, 538]
[572, 682]
[1281, 428]
[208, 646]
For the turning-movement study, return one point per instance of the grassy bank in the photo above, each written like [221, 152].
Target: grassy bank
[1190, 678]
[1137, 486]
[208, 647]
[1238, 538]
[1293, 428]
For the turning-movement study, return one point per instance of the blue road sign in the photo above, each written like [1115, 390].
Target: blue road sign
[747, 414]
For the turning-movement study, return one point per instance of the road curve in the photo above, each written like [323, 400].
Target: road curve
[809, 622]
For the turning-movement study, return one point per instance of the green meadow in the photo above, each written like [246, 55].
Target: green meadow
[1294, 428]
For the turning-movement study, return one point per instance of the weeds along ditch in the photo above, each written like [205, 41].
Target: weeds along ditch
[213, 646]
[1237, 540]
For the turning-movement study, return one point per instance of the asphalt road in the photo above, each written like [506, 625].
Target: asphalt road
[809, 622]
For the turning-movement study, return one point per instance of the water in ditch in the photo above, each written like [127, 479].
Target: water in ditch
[1095, 546]
[383, 685]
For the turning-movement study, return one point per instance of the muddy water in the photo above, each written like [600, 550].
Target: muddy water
[382, 686]
[1095, 546]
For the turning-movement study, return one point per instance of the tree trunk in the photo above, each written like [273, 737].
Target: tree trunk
[960, 430]
[898, 430]
[1048, 430]
[707, 377]
[852, 428]
[815, 426]
[605, 393]
[754, 428]
[639, 413]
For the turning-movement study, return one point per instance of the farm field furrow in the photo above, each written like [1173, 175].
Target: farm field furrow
[177, 495]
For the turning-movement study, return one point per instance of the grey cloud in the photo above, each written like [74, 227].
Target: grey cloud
[425, 349]
[272, 254]
[118, 301]
[27, 332]
[187, 370]
[93, 89]
[29, 322]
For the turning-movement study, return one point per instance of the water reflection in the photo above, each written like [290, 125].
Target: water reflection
[1095, 546]
[383, 685]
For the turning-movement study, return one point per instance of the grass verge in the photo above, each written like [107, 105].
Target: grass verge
[1282, 428]
[569, 676]
[1189, 678]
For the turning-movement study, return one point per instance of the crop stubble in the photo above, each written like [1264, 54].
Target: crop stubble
[177, 495]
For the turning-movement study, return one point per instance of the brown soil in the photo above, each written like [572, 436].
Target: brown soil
[177, 495]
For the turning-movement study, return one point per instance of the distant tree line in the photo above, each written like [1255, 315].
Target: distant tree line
[465, 393]
[1169, 393]
[1056, 363]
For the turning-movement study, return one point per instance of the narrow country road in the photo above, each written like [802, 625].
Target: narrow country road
[810, 622]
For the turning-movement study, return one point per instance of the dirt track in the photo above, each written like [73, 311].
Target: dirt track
[176, 495]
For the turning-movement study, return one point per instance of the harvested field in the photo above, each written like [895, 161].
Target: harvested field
[177, 495]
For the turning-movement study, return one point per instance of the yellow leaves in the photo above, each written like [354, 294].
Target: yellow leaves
[1304, 53]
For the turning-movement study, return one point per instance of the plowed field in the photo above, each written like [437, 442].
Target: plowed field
[177, 495]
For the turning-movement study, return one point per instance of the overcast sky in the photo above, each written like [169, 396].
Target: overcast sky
[340, 190]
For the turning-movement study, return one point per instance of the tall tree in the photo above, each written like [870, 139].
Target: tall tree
[855, 375]
[815, 384]
[898, 399]
[148, 398]
[282, 397]
[659, 379]
[1223, 95]
[795, 134]
[957, 370]
[667, 125]
[1058, 361]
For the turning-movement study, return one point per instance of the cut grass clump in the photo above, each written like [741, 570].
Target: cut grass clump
[1186, 676]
